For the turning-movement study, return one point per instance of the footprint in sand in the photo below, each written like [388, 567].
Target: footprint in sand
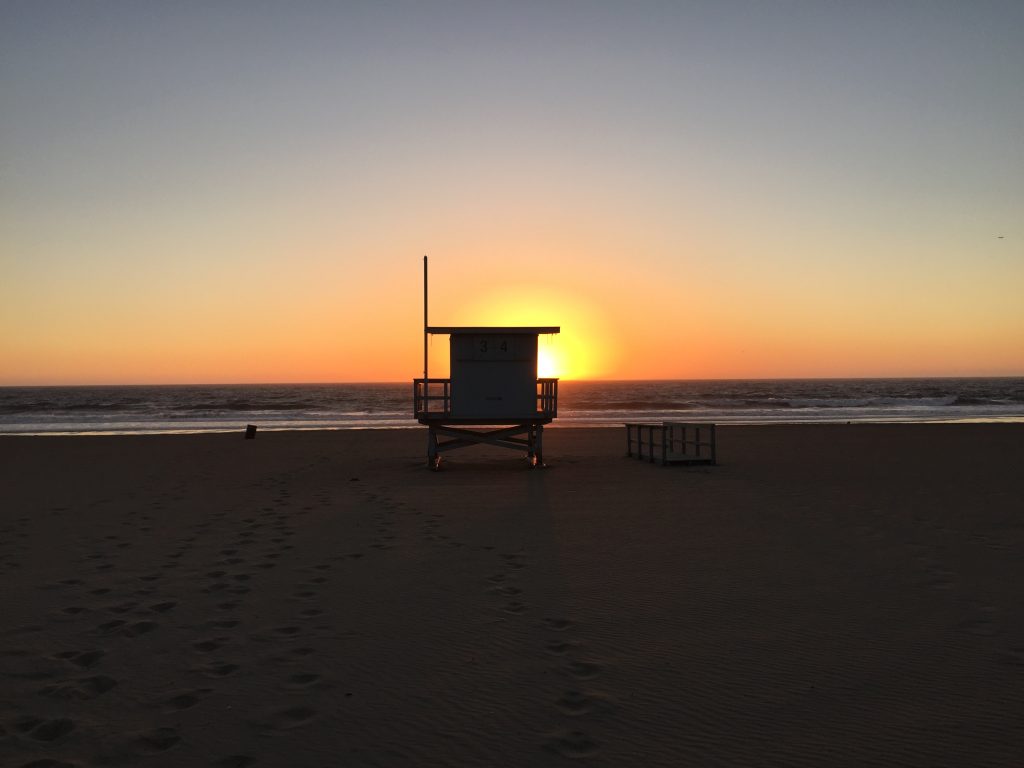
[939, 580]
[210, 645]
[80, 688]
[1011, 657]
[293, 717]
[558, 625]
[140, 628]
[561, 647]
[983, 623]
[575, 703]
[81, 658]
[183, 700]
[157, 740]
[584, 670]
[303, 680]
[574, 744]
[222, 624]
[40, 729]
[235, 761]
[218, 669]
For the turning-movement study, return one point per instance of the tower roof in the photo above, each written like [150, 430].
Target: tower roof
[504, 330]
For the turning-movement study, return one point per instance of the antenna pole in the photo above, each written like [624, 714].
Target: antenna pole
[426, 386]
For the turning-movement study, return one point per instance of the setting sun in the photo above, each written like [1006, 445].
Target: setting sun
[548, 366]
[585, 349]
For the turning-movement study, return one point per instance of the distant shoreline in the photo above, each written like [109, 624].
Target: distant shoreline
[1008, 421]
[186, 409]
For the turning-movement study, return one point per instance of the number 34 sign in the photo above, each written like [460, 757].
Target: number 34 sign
[493, 348]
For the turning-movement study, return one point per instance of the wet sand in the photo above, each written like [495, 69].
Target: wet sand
[827, 595]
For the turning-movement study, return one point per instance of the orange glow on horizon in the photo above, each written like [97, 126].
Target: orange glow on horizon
[338, 323]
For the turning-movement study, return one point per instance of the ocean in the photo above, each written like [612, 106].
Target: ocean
[222, 408]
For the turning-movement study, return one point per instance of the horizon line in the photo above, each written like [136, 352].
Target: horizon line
[561, 379]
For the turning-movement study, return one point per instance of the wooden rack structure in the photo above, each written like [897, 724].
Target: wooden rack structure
[672, 442]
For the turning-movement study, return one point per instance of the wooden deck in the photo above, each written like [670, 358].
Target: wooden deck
[434, 419]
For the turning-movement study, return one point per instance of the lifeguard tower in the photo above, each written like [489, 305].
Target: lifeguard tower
[493, 395]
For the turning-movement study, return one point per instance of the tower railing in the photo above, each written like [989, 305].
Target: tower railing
[547, 397]
[432, 398]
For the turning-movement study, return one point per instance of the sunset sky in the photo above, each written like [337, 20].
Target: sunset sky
[243, 191]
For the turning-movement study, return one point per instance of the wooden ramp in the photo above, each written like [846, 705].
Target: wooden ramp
[672, 442]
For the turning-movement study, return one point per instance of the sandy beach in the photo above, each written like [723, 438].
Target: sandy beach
[827, 595]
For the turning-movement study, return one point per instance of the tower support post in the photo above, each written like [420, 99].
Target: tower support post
[442, 438]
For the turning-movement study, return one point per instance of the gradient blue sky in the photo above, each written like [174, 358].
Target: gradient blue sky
[241, 191]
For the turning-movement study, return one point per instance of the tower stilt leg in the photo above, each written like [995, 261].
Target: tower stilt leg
[433, 455]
